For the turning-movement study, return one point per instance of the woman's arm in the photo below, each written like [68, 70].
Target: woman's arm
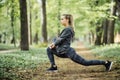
[65, 34]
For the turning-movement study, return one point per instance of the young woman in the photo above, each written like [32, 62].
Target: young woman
[61, 47]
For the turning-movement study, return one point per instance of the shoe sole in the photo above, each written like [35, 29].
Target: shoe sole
[52, 71]
[110, 66]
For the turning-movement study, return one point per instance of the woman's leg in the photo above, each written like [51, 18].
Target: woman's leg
[50, 53]
[78, 59]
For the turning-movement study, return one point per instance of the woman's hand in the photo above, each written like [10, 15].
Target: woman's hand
[52, 46]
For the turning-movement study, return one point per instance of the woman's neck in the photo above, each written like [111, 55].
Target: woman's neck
[66, 25]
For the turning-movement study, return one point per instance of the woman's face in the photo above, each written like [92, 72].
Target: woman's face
[64, 21]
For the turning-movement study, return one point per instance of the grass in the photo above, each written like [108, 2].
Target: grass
[108, 51]
[6, 46]
[13, 62]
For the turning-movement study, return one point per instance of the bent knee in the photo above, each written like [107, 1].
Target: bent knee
[48, 49]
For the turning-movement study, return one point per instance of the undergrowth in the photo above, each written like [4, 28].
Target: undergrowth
[111, 51]
[13, 62]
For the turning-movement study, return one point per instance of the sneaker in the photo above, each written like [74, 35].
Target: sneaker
[52, 68]
[108, 65]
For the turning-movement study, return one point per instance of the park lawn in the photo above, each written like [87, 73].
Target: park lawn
[111, 52]
[15, 63]
[108, 52]
[22, 65]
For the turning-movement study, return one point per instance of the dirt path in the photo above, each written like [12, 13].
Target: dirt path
[69, 70]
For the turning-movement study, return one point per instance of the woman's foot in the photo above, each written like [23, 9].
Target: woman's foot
[52, 68]
[108, 65]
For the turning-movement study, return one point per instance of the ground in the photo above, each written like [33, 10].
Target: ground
[68, 70]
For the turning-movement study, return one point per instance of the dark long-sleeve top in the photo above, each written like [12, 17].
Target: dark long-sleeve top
[65, 38]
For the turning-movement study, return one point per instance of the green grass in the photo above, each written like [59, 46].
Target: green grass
[111, 52]
[20, 60]
[6, 46]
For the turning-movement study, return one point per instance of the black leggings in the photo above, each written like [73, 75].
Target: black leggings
[73, 56]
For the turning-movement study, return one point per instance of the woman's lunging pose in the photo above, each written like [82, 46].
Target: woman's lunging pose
[61, 47]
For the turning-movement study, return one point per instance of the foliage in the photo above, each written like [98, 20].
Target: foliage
[117, 26]
[111, 52]
[6, 47]
[86, 14]
[5, 19]
[20, 60]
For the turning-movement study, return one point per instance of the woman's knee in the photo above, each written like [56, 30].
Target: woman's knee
[48, 49]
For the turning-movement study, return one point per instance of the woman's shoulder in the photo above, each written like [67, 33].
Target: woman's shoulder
[68, 28]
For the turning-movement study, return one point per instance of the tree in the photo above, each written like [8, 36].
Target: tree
[105, 30]
[12, 23]
[30, 19]
[44, 21]
[111, 24]
[24, 25]
[118, 7]
[36, 37]
[98, 34]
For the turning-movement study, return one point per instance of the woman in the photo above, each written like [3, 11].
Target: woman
[61, 47]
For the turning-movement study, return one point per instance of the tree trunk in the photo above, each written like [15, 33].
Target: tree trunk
[105, 30]
[43, 21]
[30, 20]
[98, 35]
[4, 37]
[117, 37]
[36, 38]
[111, 24]
[93, 36]
[0, 38]
[12, 24]
[89, 37]
[118, 7]
[24, 25]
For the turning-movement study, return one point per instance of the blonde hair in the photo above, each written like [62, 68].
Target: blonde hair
[70, 18]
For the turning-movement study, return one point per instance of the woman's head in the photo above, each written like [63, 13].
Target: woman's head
[67, 20]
